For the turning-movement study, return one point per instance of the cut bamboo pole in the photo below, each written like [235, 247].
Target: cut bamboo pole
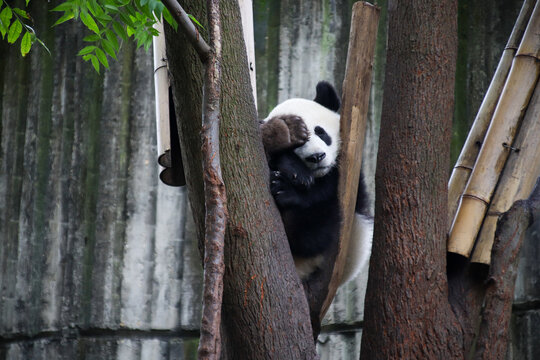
[246, 13]
[471, 148]
[356, 90]
[518, 178]
[161, 85]
[515, 96]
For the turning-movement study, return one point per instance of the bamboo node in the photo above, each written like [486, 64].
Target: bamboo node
[463, 167]
[510, 147]
[475, 197]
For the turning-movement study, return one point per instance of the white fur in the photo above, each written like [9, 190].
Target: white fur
[359, 247]
[313, 115]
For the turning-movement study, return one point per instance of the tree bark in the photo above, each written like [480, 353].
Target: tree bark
[407, 311]
[265, 313]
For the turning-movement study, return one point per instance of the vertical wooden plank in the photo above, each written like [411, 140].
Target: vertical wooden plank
[356, 90]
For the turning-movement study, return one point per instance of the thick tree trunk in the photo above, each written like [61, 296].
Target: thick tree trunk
[265, 313]
[407, 311]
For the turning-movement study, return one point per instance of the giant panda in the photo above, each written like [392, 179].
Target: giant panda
[302, 143]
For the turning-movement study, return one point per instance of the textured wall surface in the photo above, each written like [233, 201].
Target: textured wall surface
[97, 257]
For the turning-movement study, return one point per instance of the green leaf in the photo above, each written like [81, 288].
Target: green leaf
[67, 16]
[91, 38]
[5, 19]
[89, 22]
[21, 13]
[65, 6]
[195, 20]
[112, 39]
[94, 60]
[120, 31]
[167, 16]
[86, 50]
[111, 7]
[107, 46]
[26, 43]
[102, 57]
[14, 31]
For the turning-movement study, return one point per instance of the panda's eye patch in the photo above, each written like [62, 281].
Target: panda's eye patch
[319, 131]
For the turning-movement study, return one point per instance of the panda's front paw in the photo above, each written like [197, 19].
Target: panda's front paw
[301, 179]
[283, 190]
[298, 131]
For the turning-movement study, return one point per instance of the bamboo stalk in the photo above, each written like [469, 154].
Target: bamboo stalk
[246, 13]
[515, 96]
[356, 90]
[518, 178]
[471, 148]
[161, 85]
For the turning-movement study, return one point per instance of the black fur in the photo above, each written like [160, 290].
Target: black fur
[309, 206]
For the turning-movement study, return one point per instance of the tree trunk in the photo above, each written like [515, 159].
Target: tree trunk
[407, 311]
[265, 313]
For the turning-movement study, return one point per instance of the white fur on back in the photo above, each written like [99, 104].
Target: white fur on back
[359, 247]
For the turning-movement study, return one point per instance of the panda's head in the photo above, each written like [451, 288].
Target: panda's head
[321, 150]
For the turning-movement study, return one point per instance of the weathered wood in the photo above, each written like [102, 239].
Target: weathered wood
[471, 148]
[355, 101]
[506, 120]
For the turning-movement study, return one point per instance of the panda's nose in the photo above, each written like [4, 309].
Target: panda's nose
[316, 158]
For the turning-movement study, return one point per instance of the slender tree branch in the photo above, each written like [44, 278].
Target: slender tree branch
[493, 335]
[214, 192]
[188, 29]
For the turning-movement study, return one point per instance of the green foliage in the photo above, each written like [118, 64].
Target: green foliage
[109, 22]
[113, 21]
[14, 22]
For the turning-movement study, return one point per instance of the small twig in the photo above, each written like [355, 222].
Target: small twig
[188, 28]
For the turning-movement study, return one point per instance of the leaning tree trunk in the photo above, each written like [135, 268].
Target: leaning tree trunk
[265, 313]
[407, 311]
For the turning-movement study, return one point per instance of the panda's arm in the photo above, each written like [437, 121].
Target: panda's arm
[282, 133]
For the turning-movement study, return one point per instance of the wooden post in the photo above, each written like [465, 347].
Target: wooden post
[500, 136]
[471, 148]
[356, 89]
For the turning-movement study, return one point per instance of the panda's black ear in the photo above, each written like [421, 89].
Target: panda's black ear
[327, 96]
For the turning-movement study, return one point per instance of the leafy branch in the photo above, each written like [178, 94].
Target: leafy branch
[110, 22]
[13, 21]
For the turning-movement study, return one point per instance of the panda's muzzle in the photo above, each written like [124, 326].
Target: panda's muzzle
[316, 158]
